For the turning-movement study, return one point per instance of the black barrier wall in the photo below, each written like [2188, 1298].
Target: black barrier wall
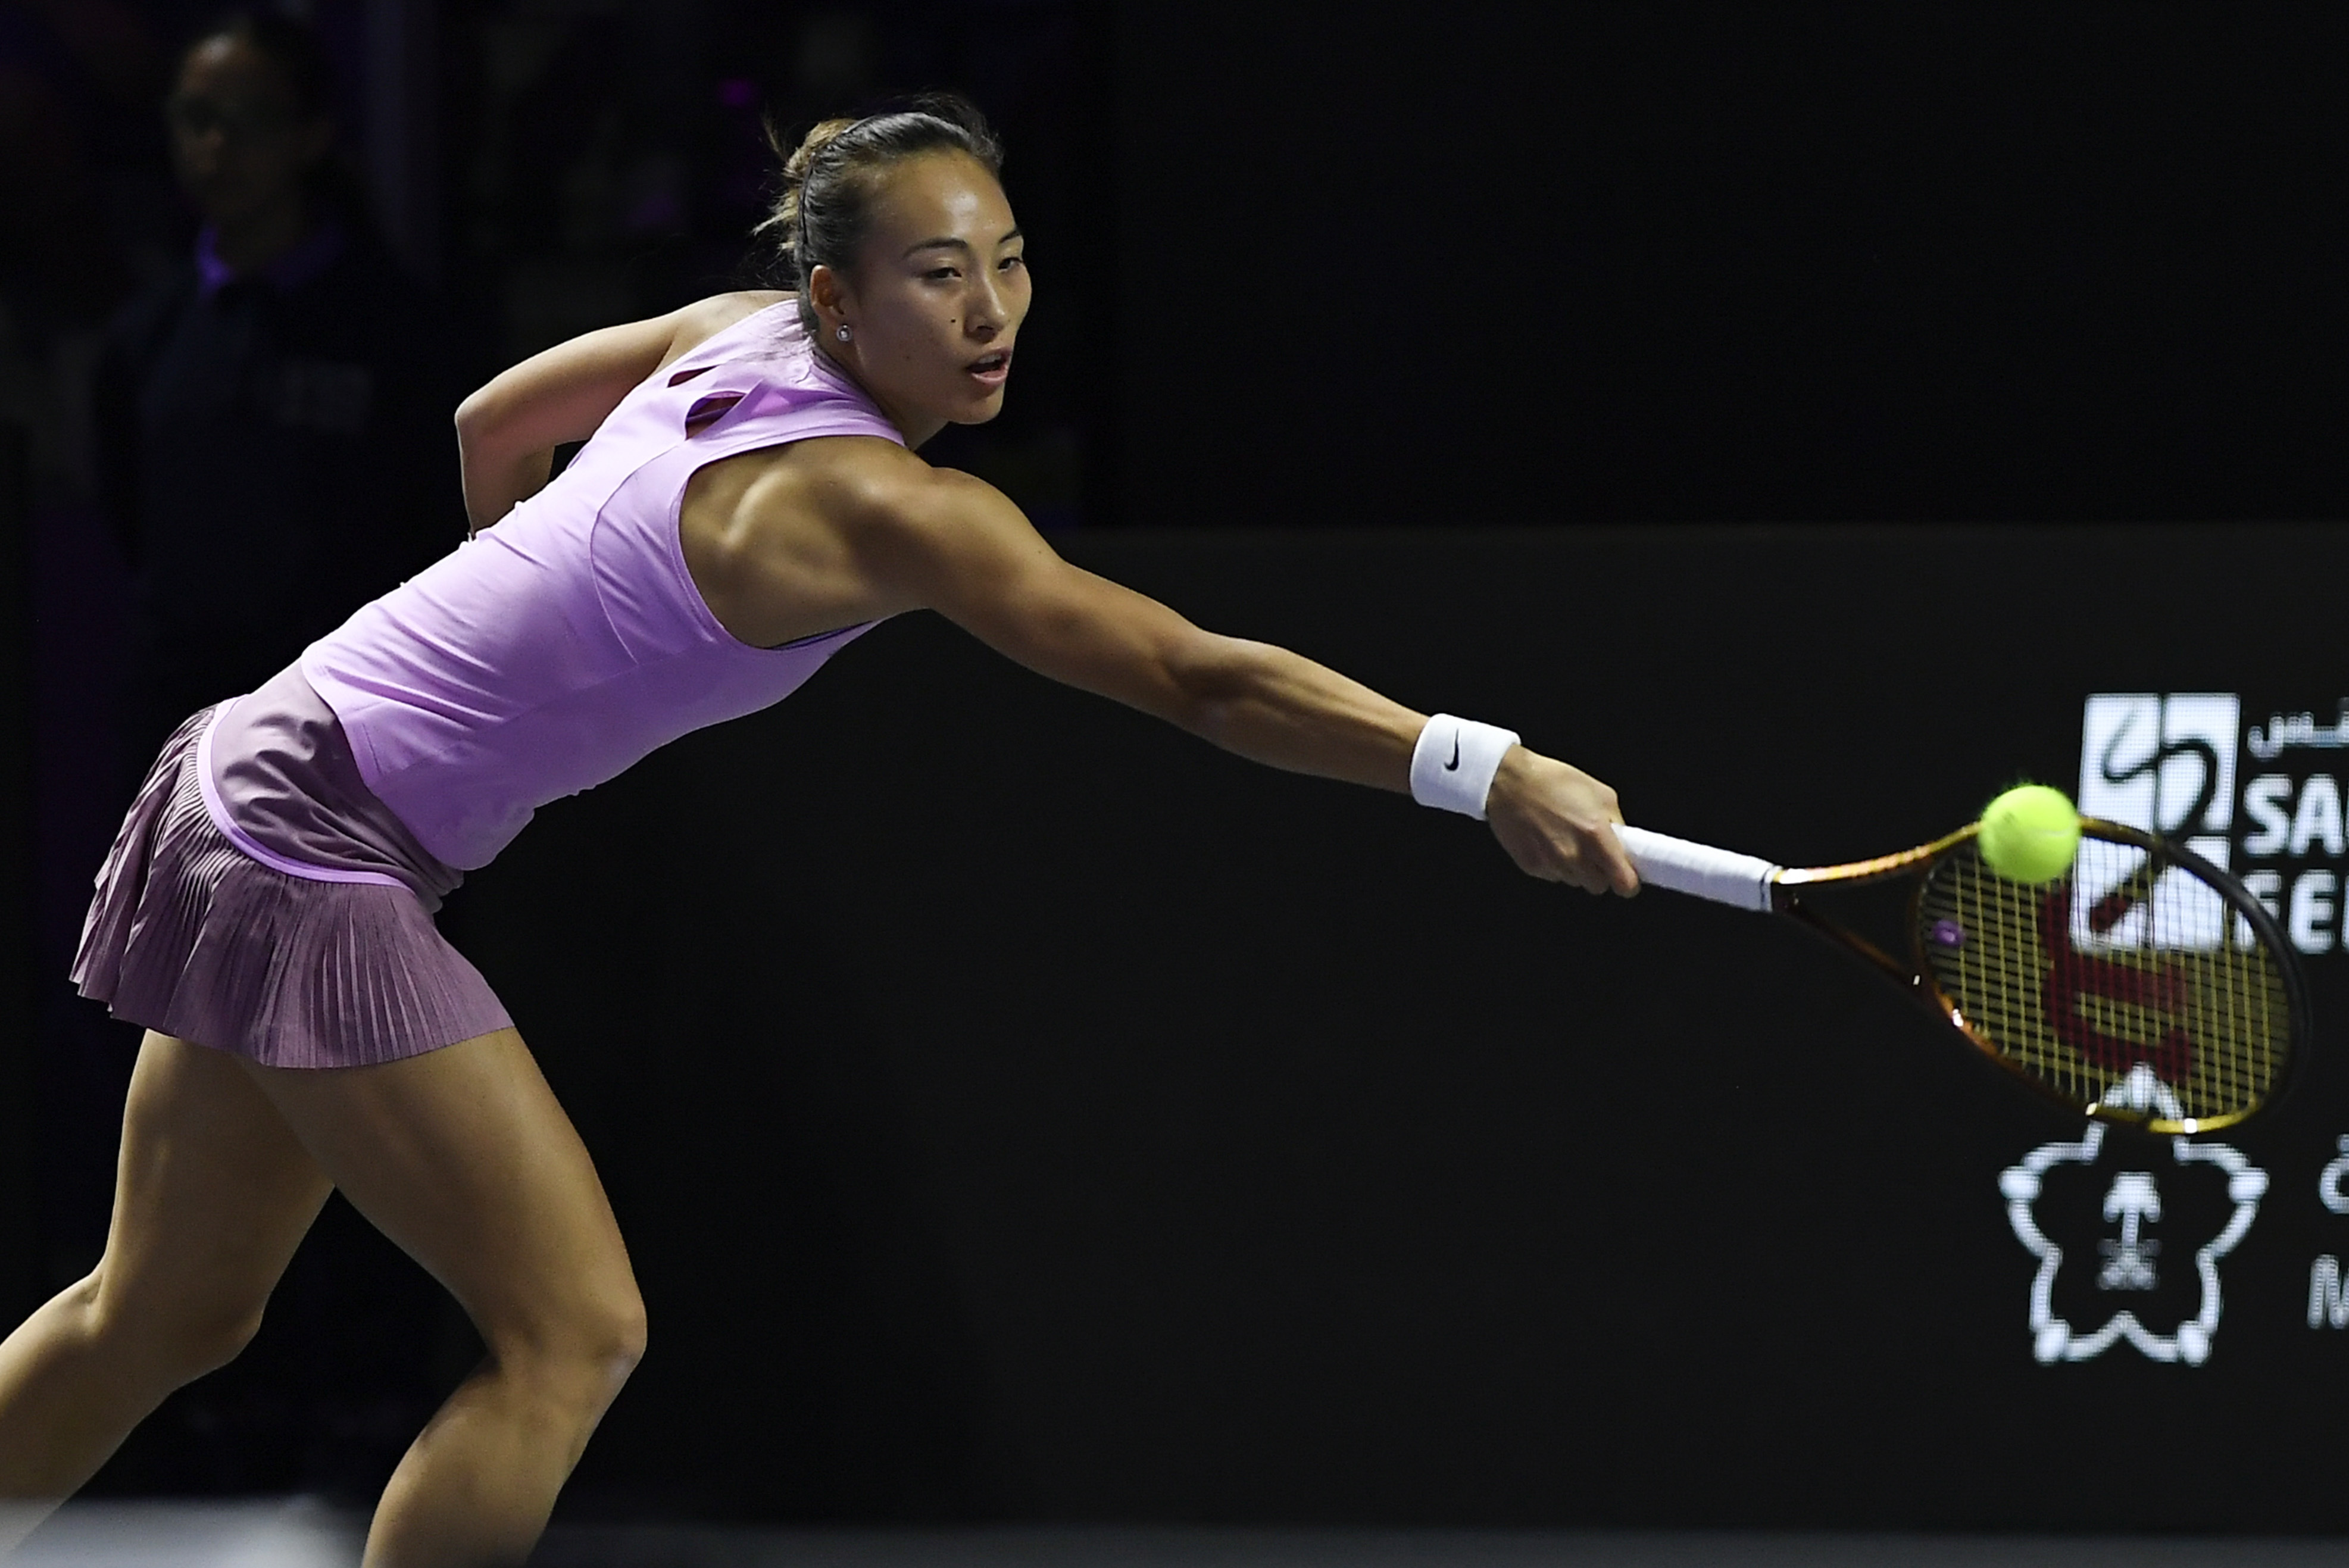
[1018, 1108]
[1689, 260]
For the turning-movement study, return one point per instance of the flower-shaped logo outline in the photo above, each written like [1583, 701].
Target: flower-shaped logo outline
[2054, 1339]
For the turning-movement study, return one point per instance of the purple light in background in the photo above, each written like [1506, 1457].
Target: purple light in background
[656, 211]
[738, 92]
[1948, 933]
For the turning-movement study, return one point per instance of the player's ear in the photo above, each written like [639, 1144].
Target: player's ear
[826, 293]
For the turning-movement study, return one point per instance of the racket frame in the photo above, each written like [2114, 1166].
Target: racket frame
[1916, 975]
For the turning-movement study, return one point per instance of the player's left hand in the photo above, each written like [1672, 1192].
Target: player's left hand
[1556, 822]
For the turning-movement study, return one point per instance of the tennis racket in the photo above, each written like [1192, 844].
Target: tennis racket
[2143, 986]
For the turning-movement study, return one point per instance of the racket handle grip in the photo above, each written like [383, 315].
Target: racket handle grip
[1699, 870]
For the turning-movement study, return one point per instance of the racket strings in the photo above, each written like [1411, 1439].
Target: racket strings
[2125, 964]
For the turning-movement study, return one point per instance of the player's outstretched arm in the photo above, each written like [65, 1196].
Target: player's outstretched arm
[959, 547]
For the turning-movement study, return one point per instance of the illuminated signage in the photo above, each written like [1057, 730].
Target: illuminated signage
[2261, 798]
[2129, 1233]
[2103, 1205]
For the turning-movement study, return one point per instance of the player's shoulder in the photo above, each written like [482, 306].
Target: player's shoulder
[692, 325]
[882, 483]
[892, 503]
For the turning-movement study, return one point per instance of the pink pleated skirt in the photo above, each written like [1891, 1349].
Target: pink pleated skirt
[191, 936]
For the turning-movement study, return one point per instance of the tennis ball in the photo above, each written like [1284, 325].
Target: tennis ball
[2030, 834]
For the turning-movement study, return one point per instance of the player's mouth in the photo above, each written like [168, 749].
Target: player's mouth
[990, 370]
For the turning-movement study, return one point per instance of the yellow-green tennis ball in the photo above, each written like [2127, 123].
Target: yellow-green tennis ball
[2030, 834]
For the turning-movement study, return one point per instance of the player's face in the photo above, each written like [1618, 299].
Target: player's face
[239, 142]
[937, 297]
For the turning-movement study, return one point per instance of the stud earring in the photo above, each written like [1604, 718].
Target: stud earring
[843, 334]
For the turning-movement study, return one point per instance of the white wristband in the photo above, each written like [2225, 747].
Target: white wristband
[1453, 763]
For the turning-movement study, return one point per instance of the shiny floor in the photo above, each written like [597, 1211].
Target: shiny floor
[300, 1534]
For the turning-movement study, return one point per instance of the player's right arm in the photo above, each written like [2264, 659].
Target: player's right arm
[954, 545]
[508, 430]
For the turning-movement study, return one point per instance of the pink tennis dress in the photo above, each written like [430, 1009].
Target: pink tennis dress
[272, 890]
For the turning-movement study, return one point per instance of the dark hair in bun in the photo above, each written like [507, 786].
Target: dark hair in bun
[820, 216]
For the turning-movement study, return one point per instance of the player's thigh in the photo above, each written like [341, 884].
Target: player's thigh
[212, 1194]
[464, 1159]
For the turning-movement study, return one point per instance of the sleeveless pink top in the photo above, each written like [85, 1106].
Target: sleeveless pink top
[566, 643]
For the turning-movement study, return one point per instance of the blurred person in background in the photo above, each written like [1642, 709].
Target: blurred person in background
[273, 420]
[273, 447]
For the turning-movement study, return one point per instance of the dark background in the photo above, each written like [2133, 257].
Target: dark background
[1141, 1135]
[1713, 263]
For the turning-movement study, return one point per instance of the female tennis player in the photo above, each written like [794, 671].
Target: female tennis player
[747, 503]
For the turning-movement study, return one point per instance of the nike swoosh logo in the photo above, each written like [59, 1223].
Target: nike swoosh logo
[1453, 766]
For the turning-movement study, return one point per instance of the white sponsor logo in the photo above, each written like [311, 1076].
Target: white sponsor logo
[2131, 1202]
[2252, 786]
[2327, 1306]
[2169, 763]
[2163, 763]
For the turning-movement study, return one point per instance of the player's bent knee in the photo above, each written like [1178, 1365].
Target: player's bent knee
[209, 1346]
[617, 1342]
[181, 1339]
[586, 1352]
[605, 1325]
[187, 1347]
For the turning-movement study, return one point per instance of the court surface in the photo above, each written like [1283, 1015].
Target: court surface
[298, 1534]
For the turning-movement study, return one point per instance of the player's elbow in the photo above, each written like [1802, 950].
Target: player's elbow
[476, 417]
[485, 421]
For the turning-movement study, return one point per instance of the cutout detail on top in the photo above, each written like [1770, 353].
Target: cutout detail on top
[707, 411]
